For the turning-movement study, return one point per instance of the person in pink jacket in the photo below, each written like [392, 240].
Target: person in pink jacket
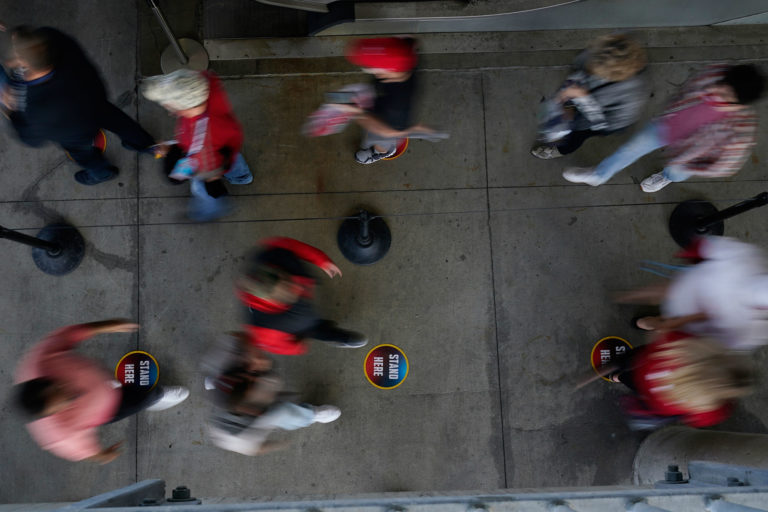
[69, 396]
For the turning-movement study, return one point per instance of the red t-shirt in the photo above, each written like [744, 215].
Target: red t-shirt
[223, 129]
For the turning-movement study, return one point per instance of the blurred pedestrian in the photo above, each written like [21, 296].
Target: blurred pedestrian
[604, 93]
[709, 131]
[682, 378]
[209, 139]
[69, 396]
[248, 405]
[277, 288]
[56, 94]
[392, 62]
[726, 288]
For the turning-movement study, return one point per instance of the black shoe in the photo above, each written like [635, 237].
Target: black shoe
[342, 338]
[86, 178]
[350, 339]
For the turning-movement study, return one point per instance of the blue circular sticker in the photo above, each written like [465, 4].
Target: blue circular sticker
[386, 366]
[138, 369]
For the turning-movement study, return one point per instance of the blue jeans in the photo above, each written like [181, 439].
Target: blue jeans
[287, 416]
[239, 173]
[205, 208]
[648, 139]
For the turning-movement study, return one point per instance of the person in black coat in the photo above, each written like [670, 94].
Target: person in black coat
[54, 93]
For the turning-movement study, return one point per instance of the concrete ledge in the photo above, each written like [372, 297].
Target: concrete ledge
[489, 42]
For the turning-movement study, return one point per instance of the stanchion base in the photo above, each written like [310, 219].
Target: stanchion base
[358, 253]
[682, 222]
[198, 57]
[72, 250]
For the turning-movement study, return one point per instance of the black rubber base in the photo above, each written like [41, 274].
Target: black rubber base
[362, 252]
[682, 222]
[70, 256]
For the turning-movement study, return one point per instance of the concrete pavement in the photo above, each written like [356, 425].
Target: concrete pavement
[496, 287]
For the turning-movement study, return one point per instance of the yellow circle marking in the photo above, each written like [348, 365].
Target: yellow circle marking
[592, 354]
[146, 354]
[402, 352]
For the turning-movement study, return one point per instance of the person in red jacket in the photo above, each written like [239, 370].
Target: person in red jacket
[277, 287]
[680, 377]
[208, 139]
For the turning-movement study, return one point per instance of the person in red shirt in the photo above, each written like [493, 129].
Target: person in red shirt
[208, 139]
[276, 286]
[70, 396]
[680, 377]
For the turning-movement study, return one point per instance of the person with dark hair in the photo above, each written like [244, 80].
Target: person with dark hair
[276, 288]
[604, 93]
[248, 404]
[392, 62]
[56, 94]
[708, 131]
[68, 396]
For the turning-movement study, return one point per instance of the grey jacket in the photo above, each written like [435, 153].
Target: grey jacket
[609, 106]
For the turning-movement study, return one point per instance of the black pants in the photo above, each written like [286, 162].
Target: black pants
[134, 400]
[625, 366]
[301, 320]
[112, 119]
[575, 139]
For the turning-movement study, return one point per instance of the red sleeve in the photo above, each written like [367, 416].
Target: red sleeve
[304, 251]
[709, 418]
[276, 342]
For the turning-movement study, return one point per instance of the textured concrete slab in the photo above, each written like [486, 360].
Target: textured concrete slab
[35, 304]
[448, 401]
[496, 286]
[285, 161]
[547, 330]
[511, 121]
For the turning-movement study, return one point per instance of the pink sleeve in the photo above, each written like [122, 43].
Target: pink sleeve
[62, 340]
[76, 446]
[300, 249]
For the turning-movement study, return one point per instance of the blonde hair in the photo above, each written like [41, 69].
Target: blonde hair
[704, 374]
[615, 57]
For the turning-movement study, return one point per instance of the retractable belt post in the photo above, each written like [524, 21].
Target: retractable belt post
[180, 53]
[57, 250]
[364, 239]
[695, 218]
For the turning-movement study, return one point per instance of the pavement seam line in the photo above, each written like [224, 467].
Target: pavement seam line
[493, 280]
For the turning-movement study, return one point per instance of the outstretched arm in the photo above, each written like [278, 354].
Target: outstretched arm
[306, 252]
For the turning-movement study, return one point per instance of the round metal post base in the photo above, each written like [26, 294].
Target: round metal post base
[198, 57]
[68, 258]
[362, 250]
[684, 219]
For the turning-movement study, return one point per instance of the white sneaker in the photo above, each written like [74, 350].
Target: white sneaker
[546, 152]
[326, 413]
[172, 395]
[583, 175]
[654, 183]
[370, 155]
